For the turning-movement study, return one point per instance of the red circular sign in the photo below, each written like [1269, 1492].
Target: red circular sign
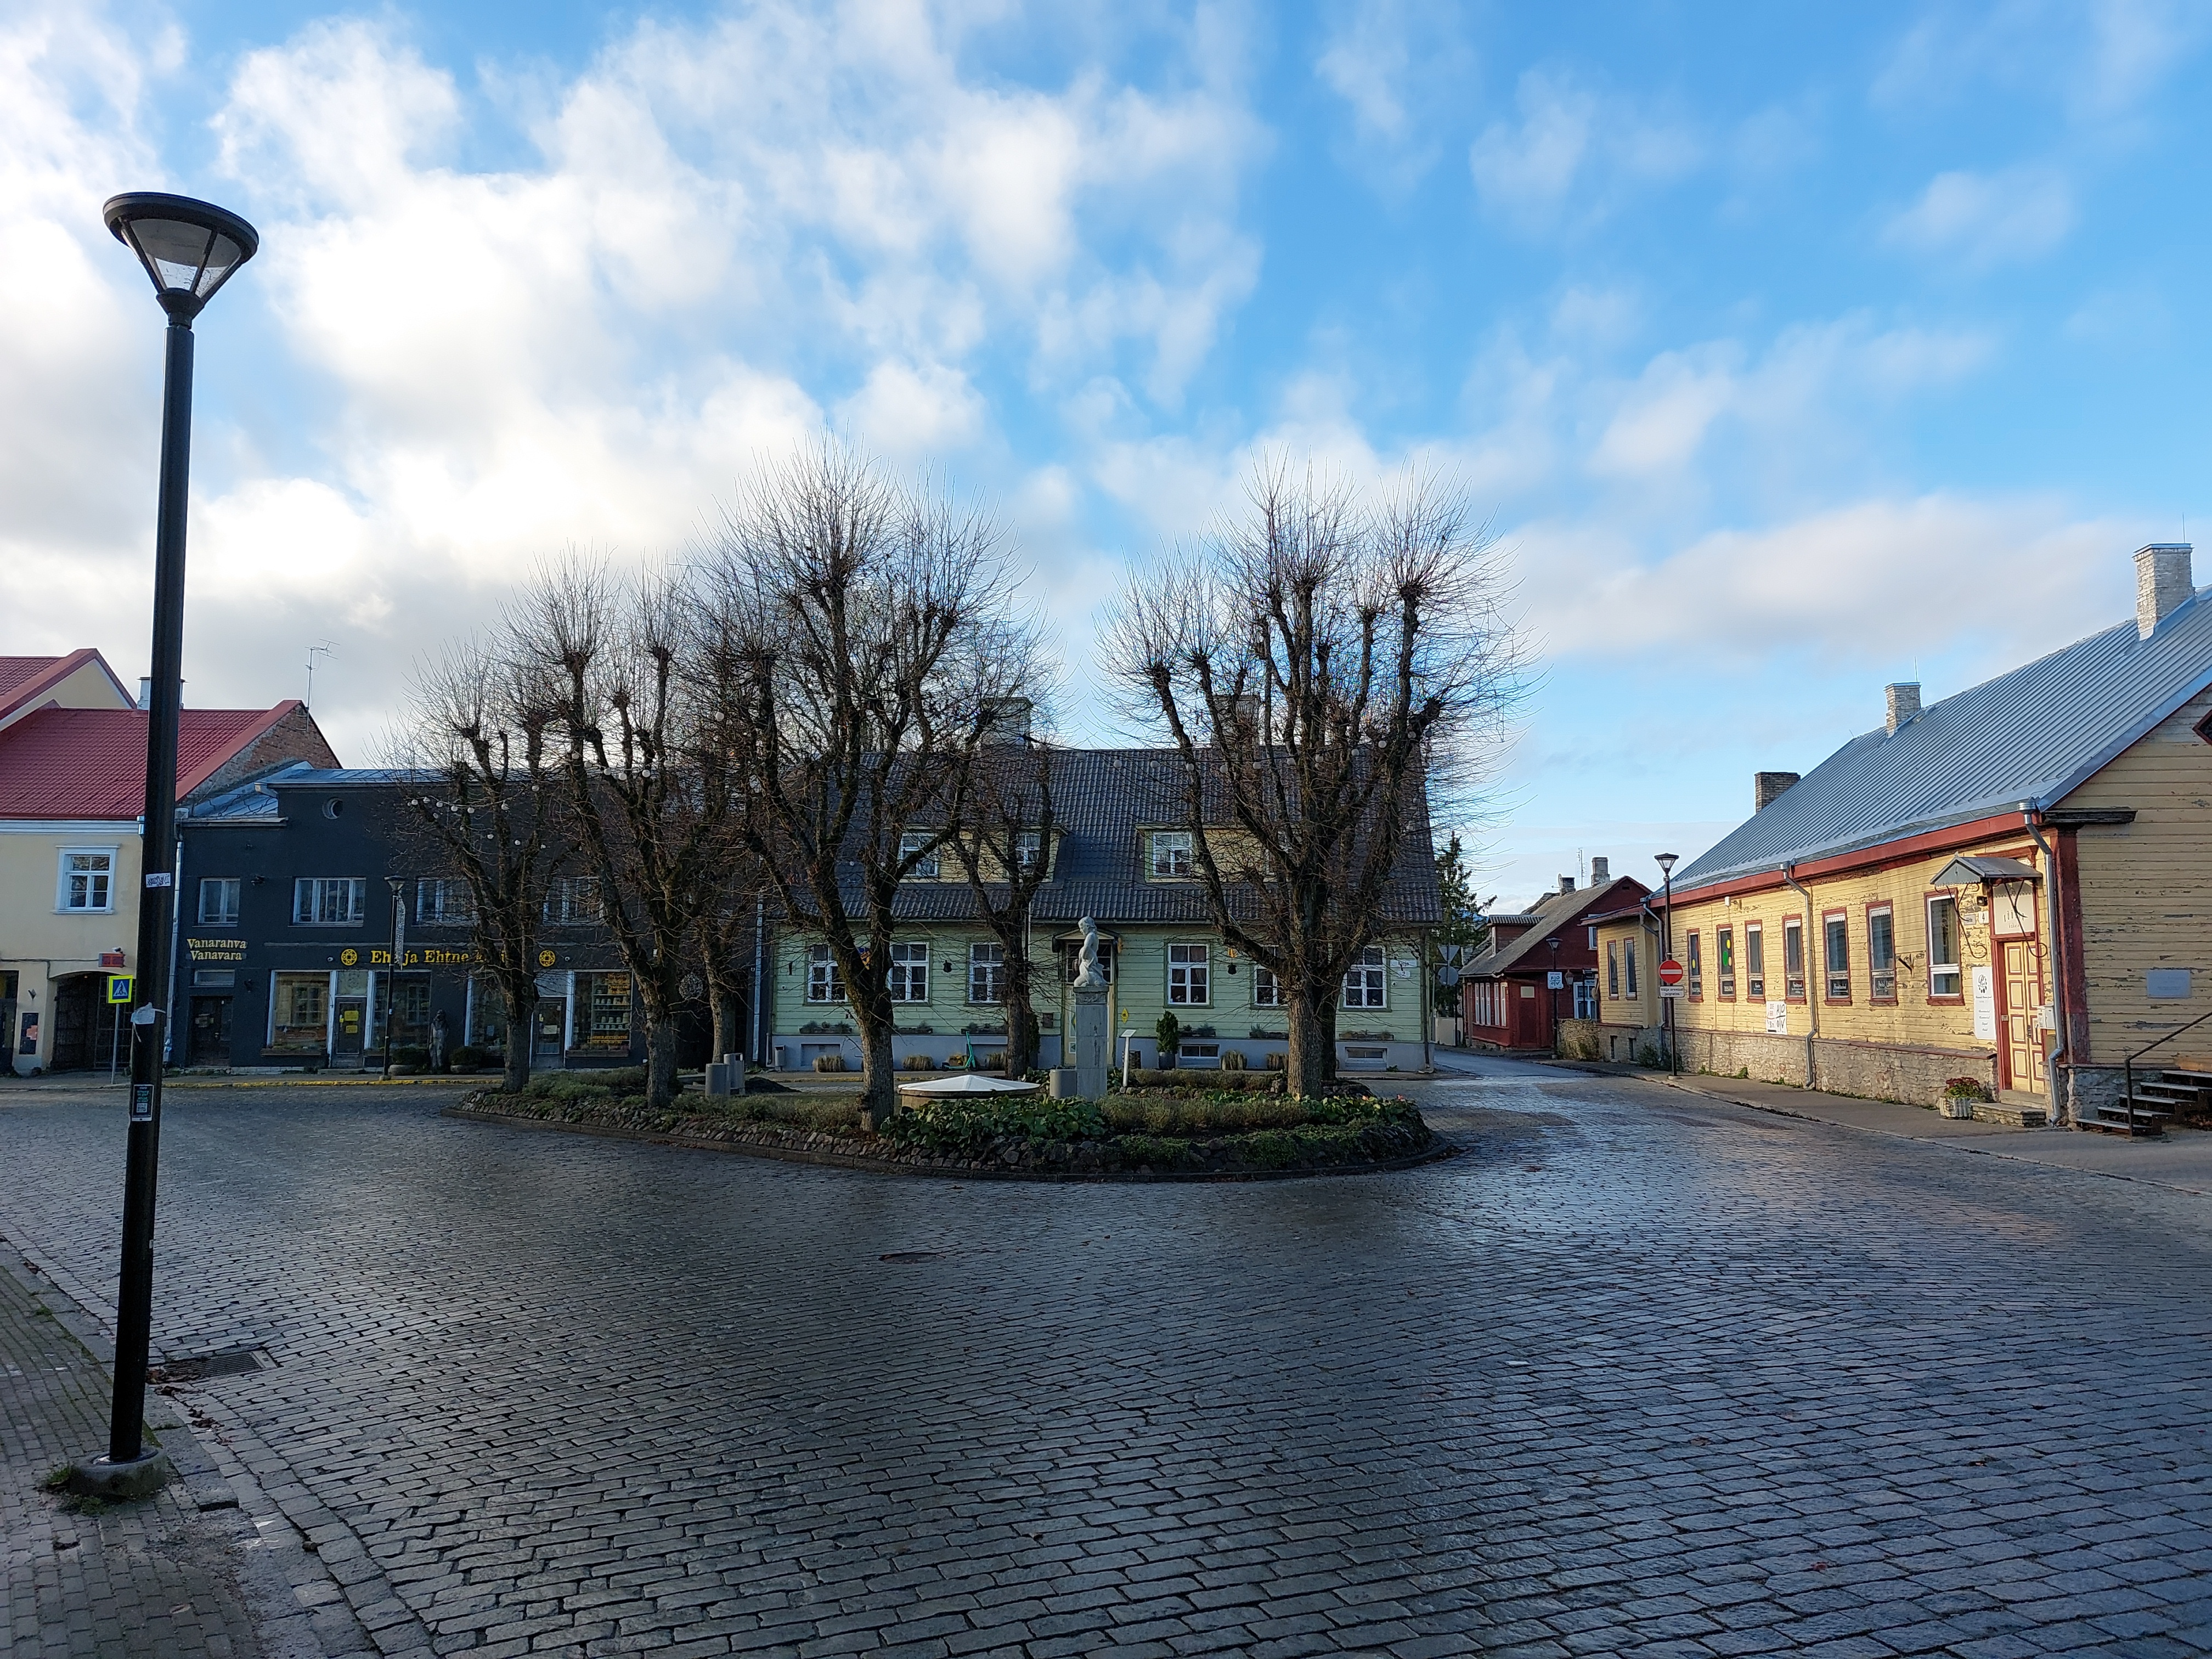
[1671, 972]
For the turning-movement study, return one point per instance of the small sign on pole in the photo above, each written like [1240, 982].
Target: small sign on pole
[1670, 978]
[119, 987]
[1554, 980]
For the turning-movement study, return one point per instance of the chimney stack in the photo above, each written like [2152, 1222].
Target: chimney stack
[2162, 583]
[1566, 883]
[145, 690]
[1767, 787]
[1904, 703]
[1007, 722]
[1601, 871]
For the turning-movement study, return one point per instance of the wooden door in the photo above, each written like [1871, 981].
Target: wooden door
[2021, 1036]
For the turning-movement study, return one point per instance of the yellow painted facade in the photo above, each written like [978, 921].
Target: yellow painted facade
[43, 939]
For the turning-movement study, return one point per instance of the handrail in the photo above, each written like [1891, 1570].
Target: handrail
[2128, 1065]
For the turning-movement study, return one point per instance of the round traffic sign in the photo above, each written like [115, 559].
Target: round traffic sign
[1671, 972]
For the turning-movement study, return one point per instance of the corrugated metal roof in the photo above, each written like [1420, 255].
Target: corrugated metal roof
[2033, 735]
[1555, 912]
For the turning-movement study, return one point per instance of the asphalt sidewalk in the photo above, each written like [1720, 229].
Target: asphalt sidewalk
[206, 1566]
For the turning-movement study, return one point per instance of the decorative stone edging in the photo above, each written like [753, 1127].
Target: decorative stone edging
[812, 1146]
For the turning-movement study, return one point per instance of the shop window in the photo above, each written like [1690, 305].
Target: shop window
[1365, 983]
[1189, 976]
[219, 902]
[605, 1008]
[909, 971]
[486, 1019]
[1944, 975]
[299, 1011]
[1881, 954]
[1754, 961]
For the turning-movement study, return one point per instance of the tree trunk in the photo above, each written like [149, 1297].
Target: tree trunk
[729, 1034]
[879, 1074]
[521, 1000]
[1307, 1066]
[659, 1057]
[1021, 1021]
[1328, 1015]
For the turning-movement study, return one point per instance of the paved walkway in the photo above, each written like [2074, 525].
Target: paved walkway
[1640, 1371]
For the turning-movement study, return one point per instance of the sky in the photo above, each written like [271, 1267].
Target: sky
[1786, 351]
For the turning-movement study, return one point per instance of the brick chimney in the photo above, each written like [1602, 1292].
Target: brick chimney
[1904, 699]
[1601, 871]
[1767, 787]
[1566, 883]
[2162, 582]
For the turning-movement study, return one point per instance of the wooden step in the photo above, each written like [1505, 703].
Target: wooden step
[2114, 1120]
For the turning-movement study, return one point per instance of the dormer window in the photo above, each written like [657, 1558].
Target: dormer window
[911, 843]
[1029, 847]
[1171, 853]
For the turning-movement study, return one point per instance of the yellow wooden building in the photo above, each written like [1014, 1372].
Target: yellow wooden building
[2013, 885]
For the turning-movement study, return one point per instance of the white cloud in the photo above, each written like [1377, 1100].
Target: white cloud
[1573, 155]
[1401, 71]
[2098, 60]
[1978, 220]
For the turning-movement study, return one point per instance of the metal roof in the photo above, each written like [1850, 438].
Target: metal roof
[2028, 738]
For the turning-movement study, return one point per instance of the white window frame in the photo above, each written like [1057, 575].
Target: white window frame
[452, 907]
[1168, 848]
[1366, 983]
[573, 901]
[226, 891]
[1939, 971]
[1267, 989]
[824, 983]
[990, 960]
[1881, 982]
[912, 841]
[1190, 976]
[1754, 961]
[307, 894]
[908, 974]
[1029, 847]
[101, 880]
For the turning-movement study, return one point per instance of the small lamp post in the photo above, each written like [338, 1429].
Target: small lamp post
[1666, 863]
[190, 250]
[399, 885]
[1551, 993]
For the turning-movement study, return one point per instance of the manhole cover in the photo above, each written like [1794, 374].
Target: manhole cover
[910, 1255]
[229, 1363]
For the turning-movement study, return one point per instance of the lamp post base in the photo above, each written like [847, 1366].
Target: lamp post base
[119, 1483]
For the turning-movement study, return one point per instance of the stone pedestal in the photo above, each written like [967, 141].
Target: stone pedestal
[1091, 1031]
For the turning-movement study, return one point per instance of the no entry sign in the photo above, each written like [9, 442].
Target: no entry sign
[1671, 972]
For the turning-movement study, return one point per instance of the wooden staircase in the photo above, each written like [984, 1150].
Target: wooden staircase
[2160, 1097]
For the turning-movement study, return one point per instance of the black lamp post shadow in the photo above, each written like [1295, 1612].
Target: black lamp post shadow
[190, 249]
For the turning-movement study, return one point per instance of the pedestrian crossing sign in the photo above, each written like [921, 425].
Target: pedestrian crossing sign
[119, 987]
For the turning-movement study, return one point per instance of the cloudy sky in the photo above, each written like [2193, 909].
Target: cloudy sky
[1788, 350]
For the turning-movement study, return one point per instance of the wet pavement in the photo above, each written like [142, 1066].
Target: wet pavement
[1635, 1371]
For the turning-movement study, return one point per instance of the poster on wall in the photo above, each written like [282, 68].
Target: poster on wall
[1777, 1019]
[1985, 1003]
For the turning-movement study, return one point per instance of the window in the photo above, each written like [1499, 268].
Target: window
[1364, 982]
[442, 902]
[1071, 959]
[910, 974]
[1029, 846]
[1754, 961]
[219, 902]
[1793, 960]
[603, 1010]
[1628, 952]
[299, 1011]
[1724, 955]
[1187, 975]
[1488, 1004]
[1267, 989]
[1612, 968]
[1696, 966]
[572, 899]
[1881, 954]
[329, 901]
[911, 842]
[1944, 978]
[987, 973]
[88, 880]
[823, 982]
[484, 1023]
[1586, 996]
[1836, 960]
[1171, 853]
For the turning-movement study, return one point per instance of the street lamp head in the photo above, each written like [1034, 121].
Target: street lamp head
[1666, 862]
[189, 248]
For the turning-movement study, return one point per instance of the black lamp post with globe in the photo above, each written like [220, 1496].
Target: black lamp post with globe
[190, 249]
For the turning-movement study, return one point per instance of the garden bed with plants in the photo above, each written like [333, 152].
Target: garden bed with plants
[1157, 1134]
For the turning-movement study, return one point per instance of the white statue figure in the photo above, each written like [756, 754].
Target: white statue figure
[1087, 963]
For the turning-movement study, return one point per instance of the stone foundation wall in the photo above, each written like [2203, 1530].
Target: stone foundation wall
[1872, 1071]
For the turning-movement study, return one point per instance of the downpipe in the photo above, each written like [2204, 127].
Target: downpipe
[1812, 1002]
[2058, 1048]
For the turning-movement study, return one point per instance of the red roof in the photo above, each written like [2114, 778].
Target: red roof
[22, 679]
[91, 762]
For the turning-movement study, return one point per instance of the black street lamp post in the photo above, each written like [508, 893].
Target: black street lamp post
[1551, 991]
[398, 884]
[190, 249]
[1666, 863]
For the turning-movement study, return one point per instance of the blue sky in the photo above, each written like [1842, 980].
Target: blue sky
[1788, 351]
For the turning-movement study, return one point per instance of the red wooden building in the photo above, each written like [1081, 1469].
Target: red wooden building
[1507, 999]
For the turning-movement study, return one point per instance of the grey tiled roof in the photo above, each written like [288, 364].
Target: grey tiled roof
[2030, 737]
[1102, 798]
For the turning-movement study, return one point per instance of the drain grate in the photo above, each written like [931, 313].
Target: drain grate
[231, 1362]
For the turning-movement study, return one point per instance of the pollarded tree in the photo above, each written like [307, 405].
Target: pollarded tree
[1318, 665]
[859, 632]
[477, 730]
[1004, 848]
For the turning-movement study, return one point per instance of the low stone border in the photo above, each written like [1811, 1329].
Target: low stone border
[811, 1146]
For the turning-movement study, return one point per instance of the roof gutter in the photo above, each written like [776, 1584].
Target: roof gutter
[2029, 817]
[1812, 1002]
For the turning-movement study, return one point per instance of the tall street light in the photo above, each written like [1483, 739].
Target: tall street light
[1666, 863]
[190, 249]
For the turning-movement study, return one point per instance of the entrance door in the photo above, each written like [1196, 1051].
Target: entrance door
[76, 1005]
[210, 1035]
[550, 1032]
[2023, 1000]
[348, 1026]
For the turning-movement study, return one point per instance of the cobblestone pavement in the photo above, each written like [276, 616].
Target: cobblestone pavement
[1636, 1372]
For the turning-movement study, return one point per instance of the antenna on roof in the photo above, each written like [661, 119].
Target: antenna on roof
[325, 649]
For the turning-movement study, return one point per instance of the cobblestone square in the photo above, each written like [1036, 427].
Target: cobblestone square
[1633, 1372]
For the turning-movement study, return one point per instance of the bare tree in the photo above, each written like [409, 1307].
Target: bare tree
[726, 943]
[1316, 665]
[647, 785]
[1005, 846]
[859, 629]
[478, 724]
